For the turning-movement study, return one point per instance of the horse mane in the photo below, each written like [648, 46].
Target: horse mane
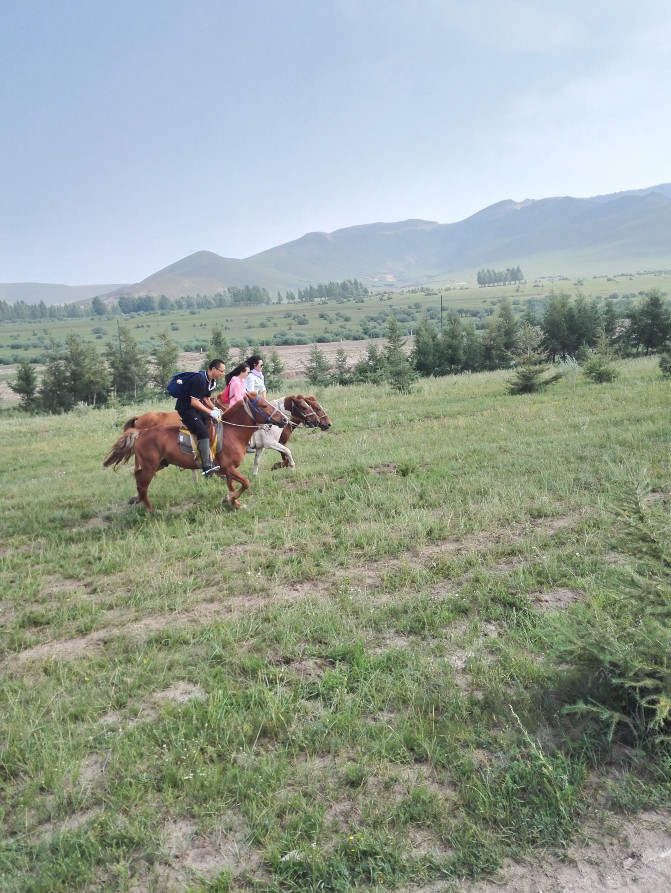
[130, 423]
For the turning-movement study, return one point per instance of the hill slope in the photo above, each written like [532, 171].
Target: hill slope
[620, 231]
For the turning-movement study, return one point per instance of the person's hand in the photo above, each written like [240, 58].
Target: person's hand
[216, 414]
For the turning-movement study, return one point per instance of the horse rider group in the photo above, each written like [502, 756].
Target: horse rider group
[195, 405]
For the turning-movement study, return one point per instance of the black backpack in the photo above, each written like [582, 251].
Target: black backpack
[176, 387]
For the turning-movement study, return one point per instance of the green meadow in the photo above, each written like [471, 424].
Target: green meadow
[332, 321]
[351, 684]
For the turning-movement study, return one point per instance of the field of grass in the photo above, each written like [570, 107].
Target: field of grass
[257, 325]
[343, 686]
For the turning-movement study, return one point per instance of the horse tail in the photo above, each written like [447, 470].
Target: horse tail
[130, 423]
[123, 449]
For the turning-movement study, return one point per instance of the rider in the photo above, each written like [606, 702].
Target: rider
[255, 381]
[195, 405]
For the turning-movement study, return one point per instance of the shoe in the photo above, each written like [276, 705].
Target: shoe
[210, 469]
[250, 449]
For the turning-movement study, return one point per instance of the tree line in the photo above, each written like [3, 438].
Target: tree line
[566, 328]
[77, 373]
[500, 277]
[346, 290]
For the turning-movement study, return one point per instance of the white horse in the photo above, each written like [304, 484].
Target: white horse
[268, 437]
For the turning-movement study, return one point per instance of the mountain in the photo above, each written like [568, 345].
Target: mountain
[616, 232]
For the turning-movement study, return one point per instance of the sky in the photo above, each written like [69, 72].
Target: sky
[136, 133]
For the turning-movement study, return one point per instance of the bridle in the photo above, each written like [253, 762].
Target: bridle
[252, 407]
[300, 412]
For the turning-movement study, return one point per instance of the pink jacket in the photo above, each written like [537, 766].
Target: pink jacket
[236, 390]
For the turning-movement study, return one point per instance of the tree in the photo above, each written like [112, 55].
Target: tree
[424, 352]
[342, 374]
[98, 307]
[128, 364]
[450, 348]
[500, 338]
[25, 385]
[87, 378]
[274, 372]
[54, 395]
[651, 321]
[219, 347]
[317, 369]
[164, 361]
[398, 371]
[530, 365]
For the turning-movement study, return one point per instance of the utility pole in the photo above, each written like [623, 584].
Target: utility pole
[441, 312]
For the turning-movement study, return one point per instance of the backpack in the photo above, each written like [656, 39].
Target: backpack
[177, 386]
[226, 394]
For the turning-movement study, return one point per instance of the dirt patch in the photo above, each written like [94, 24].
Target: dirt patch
[92, 769]
[555, 599]
[178, 693]
[191, 855]
[71, 823]
[635, 858]
[385, 468]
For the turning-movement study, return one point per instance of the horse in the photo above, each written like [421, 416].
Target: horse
[295, 404]
[323, 421]
[269, 436]
[157, 447]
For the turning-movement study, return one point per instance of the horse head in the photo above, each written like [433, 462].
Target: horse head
[323, 419]
[263, 412]
[301, 411]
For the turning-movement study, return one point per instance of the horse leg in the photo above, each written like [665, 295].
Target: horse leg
[258, 452]
[287, 458]
[233, 497]
[144, 474]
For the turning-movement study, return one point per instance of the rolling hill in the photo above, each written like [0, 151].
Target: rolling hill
[615, 232]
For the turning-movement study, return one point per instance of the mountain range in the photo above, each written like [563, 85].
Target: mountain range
[618, 232]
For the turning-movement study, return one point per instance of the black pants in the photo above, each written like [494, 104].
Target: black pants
[196, 422]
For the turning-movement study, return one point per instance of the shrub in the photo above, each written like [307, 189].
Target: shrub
[619, 645]
[599, 368]
[665, 362]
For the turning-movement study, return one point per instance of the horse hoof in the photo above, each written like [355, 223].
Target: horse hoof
[133, 500]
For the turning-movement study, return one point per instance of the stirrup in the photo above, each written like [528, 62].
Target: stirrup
[210, 469]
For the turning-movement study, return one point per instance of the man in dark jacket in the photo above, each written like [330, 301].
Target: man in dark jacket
[195, 406]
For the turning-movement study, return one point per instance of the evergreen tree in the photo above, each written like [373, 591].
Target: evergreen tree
[651, 321]
[398, 371]
[451, 346]
[98, 307]
[342, 374]
[54, 395]
[274, 372]
[164, 361]
[530, 362]
[424, 352]
[317, 369]
[219, 348]
[87, 378]
[556, 325]
[128, 364]
[371, 368]
[500, 339]
[25, 385]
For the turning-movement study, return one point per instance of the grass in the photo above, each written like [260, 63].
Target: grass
[315, 693]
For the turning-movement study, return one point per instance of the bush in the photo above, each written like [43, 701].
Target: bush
[598, 368]
[619, 645]
[665, 363]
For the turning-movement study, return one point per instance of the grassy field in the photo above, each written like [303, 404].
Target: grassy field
[257, 325]
[344, 686]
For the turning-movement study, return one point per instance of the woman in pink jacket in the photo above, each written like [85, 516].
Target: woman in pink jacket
[235, 386]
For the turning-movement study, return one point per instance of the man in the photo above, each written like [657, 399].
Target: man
[255, 380]
[195, 405]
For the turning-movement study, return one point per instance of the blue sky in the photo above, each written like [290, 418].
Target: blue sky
[135, 133]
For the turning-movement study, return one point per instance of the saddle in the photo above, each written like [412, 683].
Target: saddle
[188, 442]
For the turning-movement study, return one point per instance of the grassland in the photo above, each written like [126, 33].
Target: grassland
[258, 325]
[346, 685]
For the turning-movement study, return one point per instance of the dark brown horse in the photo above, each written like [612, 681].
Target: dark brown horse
[323, 422]
[157, 447]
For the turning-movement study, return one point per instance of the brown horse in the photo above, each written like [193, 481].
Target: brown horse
[323, 422]
[302, 413]
[157, 447]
